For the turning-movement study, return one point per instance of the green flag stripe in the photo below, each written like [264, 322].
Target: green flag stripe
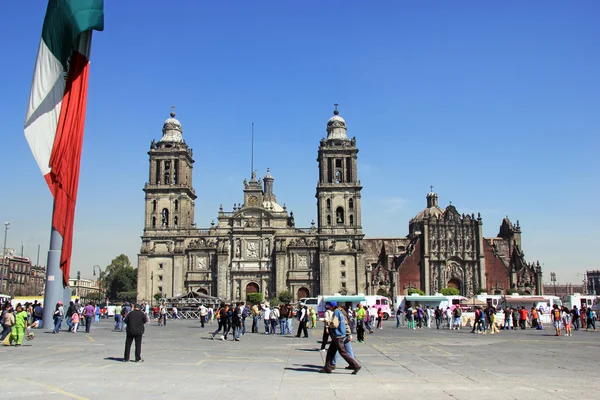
[65, 20]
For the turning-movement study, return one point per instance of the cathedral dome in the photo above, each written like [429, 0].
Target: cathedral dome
[432, 208]
[336, 126]
[172, 130]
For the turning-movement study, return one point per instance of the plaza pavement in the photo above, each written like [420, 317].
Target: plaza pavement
[181, 362]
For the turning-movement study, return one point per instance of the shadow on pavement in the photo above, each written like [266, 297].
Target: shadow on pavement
[120, 359]
[305, 368]
[308, 350]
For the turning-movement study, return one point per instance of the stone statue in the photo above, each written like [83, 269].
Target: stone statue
[267, 248]
[153, 144]
[238, 248]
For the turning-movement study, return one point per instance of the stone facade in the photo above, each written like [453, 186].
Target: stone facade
[255, 247]
[447, 249]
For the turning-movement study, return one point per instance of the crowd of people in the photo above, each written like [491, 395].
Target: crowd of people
[484, 319]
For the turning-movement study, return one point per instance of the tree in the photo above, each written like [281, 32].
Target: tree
[416, 291]
[383, 292]
[120, 278]
[274, 302]
[285, 296]
[255, 298]
[450, 291]
[157, 297]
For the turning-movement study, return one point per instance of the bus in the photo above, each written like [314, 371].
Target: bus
[348, 301]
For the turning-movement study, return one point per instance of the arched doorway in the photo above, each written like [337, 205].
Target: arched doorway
[303, 293]
[203, 291]
[454, 283]
[252, 287]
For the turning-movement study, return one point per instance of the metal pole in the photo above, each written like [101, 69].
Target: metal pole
[6, 225]
[54, 278]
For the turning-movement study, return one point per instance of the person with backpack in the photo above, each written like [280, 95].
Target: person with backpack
[457, 317]
[576, 316]
[303, 320]
[556, 319]
[566, 320]
[438, 317]
[245, 313]
[590, 319]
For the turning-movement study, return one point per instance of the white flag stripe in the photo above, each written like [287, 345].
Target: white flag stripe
[47, 91]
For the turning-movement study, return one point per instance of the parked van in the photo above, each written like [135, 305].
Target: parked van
[349, 301]
[380, 302]
[310, 302]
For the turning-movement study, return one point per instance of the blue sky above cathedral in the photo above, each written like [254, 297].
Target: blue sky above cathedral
[495, 105]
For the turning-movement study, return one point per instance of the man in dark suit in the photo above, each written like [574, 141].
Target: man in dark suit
[135, 321]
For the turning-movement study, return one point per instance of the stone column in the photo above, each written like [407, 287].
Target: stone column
[481, 255]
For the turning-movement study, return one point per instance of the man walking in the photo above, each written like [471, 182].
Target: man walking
[303, 318]
[88, 313]
[337, 331]
[135, 321]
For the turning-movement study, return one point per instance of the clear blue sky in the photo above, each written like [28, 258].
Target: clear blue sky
[496, 104]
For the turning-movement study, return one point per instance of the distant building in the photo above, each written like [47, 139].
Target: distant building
[20, 278]
[593, 281]
[564, 289]
[83, 287]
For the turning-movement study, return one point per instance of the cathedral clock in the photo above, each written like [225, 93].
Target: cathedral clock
[253, 201]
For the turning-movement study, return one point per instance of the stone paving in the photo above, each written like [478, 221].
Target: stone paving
[182, 361]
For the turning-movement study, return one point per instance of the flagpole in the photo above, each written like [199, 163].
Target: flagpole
[54, 289]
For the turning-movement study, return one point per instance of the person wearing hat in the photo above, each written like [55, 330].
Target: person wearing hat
[337, 332]
[135, 321]
[59, 314]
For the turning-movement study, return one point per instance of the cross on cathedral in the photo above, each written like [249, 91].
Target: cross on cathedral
[431, 187]
[173, 111]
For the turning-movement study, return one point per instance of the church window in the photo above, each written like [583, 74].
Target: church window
[352, 220]
[348, 170]
[343, 263]
[160, 289]
[338, 176]
[175, 221]
[154, 222]
[343, 285]
[176, 205]
[176, 172]
[329, 170]
[343, 274]
[153, 205]
[329, 220]
[339, 216]
[160, 278]
[157, 176]
[351, 204]
[161, 265]
[165, 218]
[328, 203]
[167, 174]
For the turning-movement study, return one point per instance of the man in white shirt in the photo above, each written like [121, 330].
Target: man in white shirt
[266, 314]
[203, 313]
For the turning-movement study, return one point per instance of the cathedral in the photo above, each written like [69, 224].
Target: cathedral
[445, 249]
[257, 248]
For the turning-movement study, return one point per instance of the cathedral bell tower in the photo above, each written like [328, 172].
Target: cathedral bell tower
[169, 192]
[339, 212]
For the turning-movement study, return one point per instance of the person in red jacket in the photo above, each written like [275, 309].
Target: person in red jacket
[523, 317]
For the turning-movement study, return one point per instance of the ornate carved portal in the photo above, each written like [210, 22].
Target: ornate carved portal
[456, 274]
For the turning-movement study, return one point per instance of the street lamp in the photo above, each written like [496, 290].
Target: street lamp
[585, 289]
[553, 280]
[6, 225]
[99, 278]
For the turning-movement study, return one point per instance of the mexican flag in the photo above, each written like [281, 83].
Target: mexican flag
[56, 112]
